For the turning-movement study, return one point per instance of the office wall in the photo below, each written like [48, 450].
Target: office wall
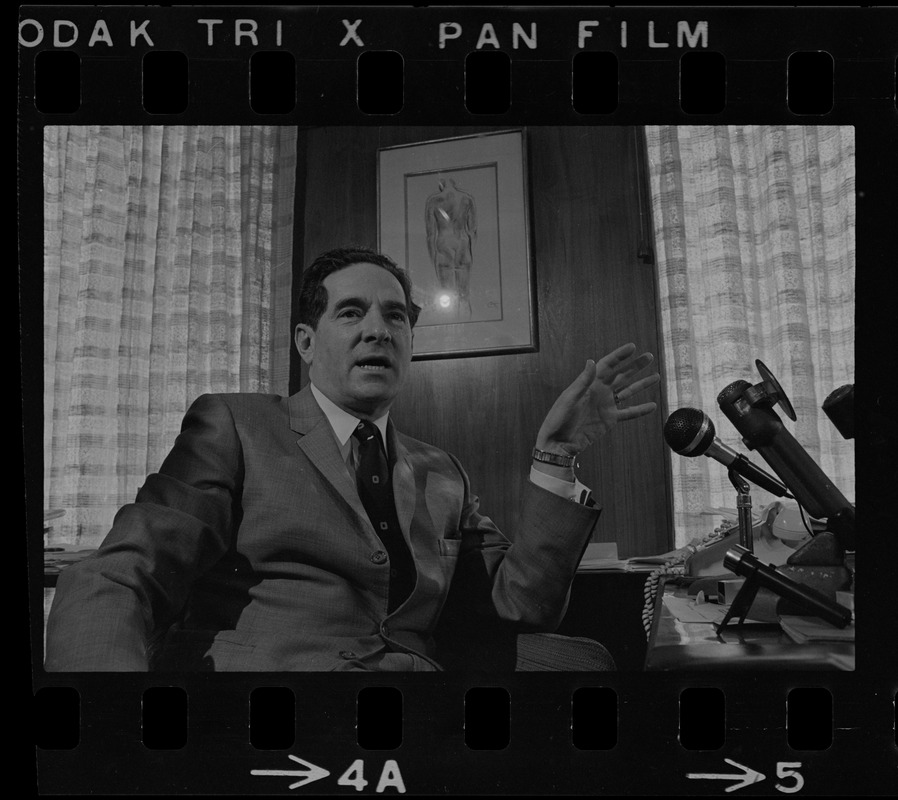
[593, 293]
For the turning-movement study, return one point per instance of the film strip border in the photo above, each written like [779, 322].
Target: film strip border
[806, 78]
[164, 718]
[405, 65]
[543, 735]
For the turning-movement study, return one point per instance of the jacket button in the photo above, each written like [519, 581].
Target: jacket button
[379, 557]
[347, 654]
[385, 629]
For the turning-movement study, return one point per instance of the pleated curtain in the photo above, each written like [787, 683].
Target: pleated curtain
[755, 239]
[166, 274]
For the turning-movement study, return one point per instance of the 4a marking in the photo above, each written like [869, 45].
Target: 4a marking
[354, 775]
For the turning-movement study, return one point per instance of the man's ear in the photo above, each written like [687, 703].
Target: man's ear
[304, 337]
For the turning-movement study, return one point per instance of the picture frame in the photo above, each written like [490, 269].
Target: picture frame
[454, 213]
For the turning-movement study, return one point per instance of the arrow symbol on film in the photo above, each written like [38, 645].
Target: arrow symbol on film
[308, 775]
[746, 778]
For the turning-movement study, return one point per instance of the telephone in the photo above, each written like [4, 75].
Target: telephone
[707, 560]
[775, 536]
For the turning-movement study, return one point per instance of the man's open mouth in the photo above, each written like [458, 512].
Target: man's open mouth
[374, 363]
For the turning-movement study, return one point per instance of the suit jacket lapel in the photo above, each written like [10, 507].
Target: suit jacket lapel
[320, 445]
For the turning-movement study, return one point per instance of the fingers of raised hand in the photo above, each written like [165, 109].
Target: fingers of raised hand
[612, 362]
[627, 390]
[621, 364]
[632, 367]
[634, 412]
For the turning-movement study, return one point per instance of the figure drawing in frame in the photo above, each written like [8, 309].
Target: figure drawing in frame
[450, 218]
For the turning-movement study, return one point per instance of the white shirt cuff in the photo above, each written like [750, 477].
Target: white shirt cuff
[570, 490]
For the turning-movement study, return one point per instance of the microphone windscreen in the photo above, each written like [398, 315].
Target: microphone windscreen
[689, 431]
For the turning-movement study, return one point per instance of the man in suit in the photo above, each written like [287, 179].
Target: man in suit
[307, 533]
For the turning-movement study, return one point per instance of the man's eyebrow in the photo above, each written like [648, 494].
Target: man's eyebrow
[396, 305]
[350, 302]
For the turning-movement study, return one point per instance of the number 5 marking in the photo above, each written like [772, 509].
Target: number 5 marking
[787, 769]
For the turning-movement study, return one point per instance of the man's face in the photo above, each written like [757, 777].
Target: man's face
[360, 352]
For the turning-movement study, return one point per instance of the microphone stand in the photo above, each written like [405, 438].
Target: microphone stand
[743, 506]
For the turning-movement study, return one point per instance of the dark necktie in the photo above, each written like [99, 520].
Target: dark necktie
[376, 492]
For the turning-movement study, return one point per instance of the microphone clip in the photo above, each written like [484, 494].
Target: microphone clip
[768, 393]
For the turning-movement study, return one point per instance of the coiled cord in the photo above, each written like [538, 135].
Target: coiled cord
[676, 565]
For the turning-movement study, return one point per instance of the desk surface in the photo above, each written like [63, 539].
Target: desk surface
[675, 645]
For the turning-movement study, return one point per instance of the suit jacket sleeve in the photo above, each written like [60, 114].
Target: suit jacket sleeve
[519, 585]
[108, 609]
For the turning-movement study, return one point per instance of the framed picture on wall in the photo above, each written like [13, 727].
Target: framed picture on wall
[454, 214]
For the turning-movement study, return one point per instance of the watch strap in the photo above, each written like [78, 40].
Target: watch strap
[553, 458]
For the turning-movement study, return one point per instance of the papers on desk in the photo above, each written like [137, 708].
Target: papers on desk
[693, 609]
[685, 609]
[602, 556]
[814, 629]
[799, 629]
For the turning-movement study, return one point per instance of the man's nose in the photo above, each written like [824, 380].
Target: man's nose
[376, 328]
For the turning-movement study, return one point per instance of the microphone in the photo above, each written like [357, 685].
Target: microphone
[740, 561]
[690, 432]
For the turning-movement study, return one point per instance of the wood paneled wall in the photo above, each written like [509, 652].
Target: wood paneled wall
[593, 293]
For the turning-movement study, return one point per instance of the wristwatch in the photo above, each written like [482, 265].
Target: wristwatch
[553, 458]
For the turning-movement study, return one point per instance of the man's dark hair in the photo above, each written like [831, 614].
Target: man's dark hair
[313, 294]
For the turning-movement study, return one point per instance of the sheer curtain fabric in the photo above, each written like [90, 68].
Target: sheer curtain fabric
[754, 231]
[164, 263]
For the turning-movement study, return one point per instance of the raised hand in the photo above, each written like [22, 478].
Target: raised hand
[596, 401]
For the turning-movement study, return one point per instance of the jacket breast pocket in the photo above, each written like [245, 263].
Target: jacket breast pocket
[450, 547]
